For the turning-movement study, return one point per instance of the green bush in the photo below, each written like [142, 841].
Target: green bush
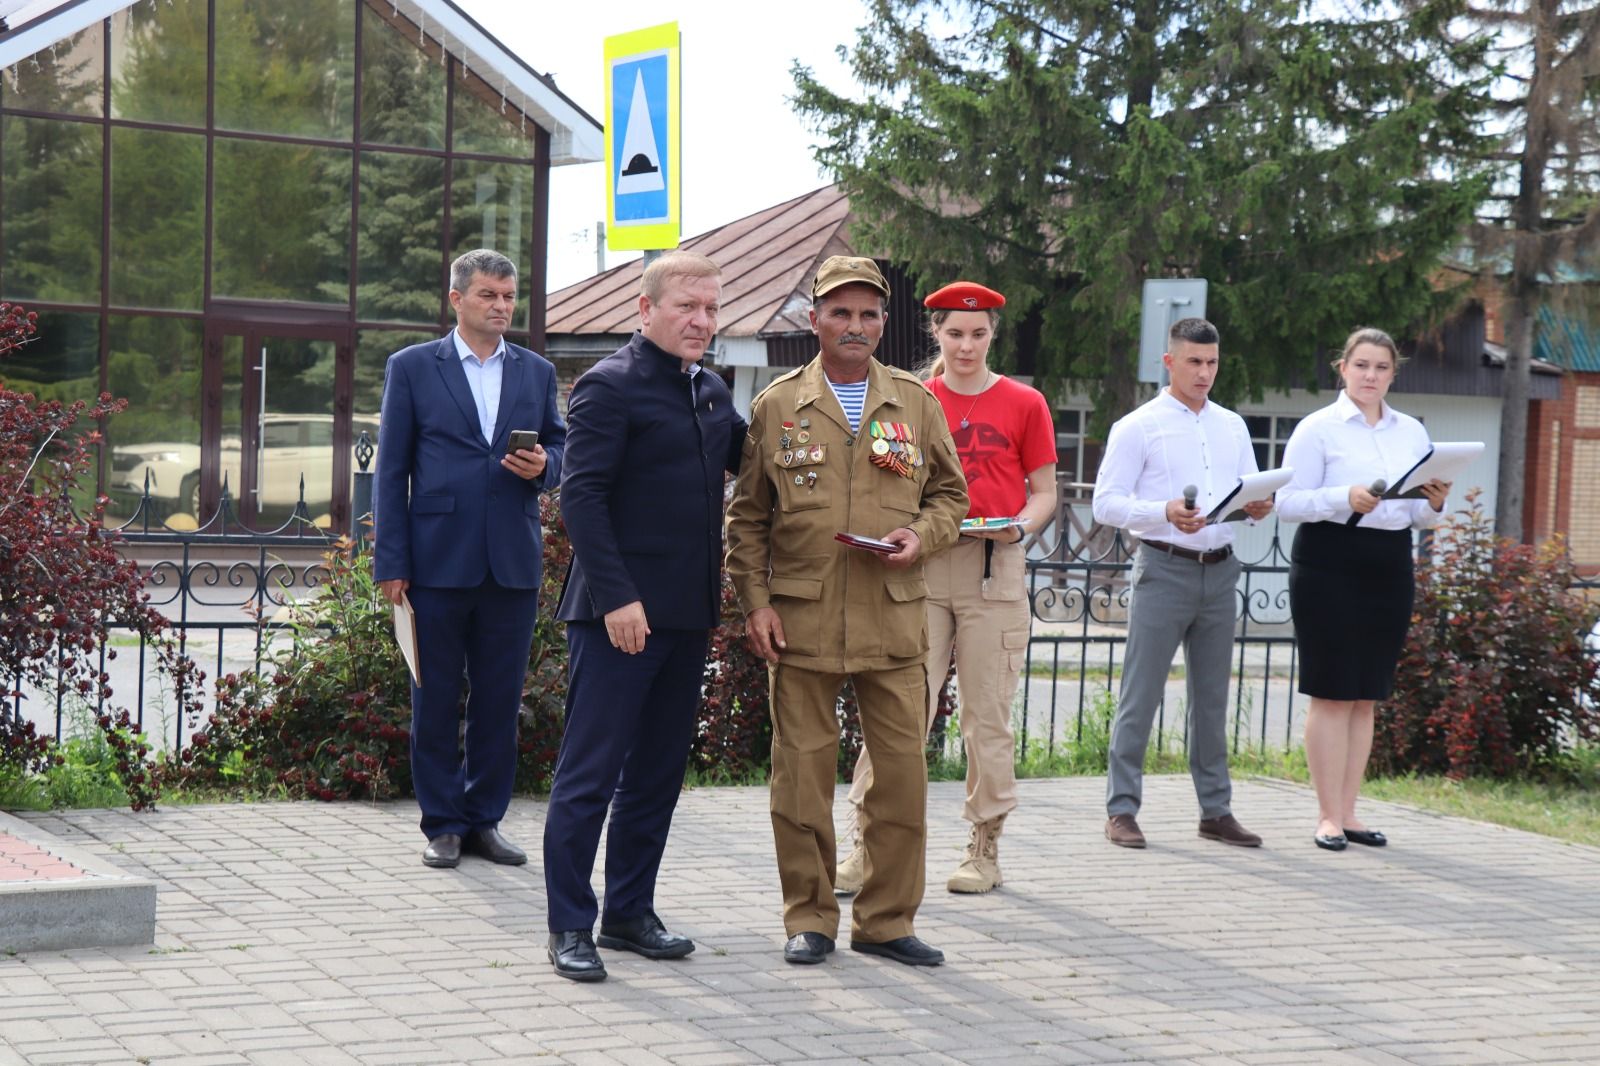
[1494, 680]
[327, 717]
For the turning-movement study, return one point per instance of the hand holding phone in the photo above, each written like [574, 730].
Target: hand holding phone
[522, 440]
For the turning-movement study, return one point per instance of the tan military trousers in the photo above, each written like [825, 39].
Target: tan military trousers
[987, 622]
[805, 757]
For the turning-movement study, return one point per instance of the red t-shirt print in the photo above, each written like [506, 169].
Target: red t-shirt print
[983, 447]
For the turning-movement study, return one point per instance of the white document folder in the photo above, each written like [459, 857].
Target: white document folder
[1251, 487]
[1443, 461]
[405, 634]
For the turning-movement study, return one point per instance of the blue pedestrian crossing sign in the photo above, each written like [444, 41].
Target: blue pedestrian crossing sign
[644, 187]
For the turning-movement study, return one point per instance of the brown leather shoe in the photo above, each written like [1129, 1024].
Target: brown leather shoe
[1228, 830]
[1123, 831]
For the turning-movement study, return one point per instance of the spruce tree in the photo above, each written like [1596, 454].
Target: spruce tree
[1066, 150]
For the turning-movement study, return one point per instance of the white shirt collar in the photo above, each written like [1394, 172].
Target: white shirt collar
[1167, 395]
[464, 353]
[1348, 411]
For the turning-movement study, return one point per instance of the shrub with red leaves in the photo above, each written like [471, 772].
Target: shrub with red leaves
[22, 750]
[1494, 680]
[544, 689]
[62, 583]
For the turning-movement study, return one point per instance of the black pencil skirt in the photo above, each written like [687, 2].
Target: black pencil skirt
[1350, 591]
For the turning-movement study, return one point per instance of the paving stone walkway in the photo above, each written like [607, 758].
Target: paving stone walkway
[310, 934]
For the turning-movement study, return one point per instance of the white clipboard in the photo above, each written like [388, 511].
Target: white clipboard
[1251, 487]
[405, 634]
[1443, 461]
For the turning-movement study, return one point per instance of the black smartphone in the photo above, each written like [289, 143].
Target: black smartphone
[522, 439]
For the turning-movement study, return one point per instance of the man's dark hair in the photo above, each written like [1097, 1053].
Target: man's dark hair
[483, 261]
[1194, 331]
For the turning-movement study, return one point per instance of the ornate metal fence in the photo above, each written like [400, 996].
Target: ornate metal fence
[226, 588]
[1078, 592]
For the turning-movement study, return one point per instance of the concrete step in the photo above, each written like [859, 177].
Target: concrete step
[55, 895]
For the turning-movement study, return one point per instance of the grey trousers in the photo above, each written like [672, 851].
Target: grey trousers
[1176, 601]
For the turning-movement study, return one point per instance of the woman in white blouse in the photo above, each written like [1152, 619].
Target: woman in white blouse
[1350, 574]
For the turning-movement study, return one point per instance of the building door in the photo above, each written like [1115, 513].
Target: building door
[277, 426]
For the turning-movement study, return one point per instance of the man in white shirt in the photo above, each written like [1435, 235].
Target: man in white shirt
[1184, 578]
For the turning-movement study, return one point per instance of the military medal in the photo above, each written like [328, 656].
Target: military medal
[816, 453]
[803, 437]
[891, 447]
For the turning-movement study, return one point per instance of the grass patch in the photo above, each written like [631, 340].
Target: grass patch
[1565, 810]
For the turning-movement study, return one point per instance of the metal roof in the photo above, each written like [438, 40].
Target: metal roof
[1567, 341]
[767, 261]
[575, 137]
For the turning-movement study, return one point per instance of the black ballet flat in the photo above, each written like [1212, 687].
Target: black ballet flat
[1332, 843]
[1370, 837]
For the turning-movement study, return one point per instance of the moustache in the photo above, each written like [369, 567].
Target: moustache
[853, 338]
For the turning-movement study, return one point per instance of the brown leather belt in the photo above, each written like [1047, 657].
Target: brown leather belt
[1203, 558]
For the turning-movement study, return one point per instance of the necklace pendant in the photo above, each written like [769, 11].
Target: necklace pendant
[964, 423]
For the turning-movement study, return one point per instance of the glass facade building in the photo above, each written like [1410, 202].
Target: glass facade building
[231, 212]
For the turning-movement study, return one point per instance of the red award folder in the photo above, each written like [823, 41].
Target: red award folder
[871, 544]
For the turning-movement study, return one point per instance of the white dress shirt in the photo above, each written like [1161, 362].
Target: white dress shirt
[1334, 448]
[1156, 450]
[484, 381]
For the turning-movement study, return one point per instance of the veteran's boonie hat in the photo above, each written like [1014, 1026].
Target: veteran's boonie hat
[837, 270]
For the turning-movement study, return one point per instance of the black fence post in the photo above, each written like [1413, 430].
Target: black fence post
[361, 492]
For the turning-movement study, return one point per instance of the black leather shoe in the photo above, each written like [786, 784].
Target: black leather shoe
[645, 935]
[807, 948]
[1332, 843]
[574, 957]
[443, 852]
[906, 949]
[1370, 837]
[489, 844]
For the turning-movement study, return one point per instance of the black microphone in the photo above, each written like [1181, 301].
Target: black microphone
[1189, 495]
[1377, 489]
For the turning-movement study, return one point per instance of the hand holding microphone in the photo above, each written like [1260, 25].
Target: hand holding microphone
[1365, 501]
[1182, 513]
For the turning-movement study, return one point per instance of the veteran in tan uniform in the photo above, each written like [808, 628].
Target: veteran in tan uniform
[845, 445]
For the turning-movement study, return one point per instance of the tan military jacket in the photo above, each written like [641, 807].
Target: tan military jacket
[843, 611]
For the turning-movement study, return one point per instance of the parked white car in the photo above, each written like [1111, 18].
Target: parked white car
[293, 444]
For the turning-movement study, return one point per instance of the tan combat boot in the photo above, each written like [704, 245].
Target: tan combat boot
[980, 870]
[852, 869]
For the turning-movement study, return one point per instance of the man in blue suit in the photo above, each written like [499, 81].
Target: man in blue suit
[457, 530]
[652, 433]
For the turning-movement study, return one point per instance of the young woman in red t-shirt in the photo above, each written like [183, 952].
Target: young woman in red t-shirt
[977, 594]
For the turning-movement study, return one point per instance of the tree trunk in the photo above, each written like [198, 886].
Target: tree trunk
[1514, 414]
[1527, 225]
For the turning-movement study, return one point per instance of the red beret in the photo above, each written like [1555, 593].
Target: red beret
[964, 296]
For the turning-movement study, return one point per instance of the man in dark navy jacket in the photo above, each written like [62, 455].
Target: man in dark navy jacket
[457, 524]
[641, 494]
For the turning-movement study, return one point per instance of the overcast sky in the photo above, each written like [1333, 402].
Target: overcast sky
[744, 148]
